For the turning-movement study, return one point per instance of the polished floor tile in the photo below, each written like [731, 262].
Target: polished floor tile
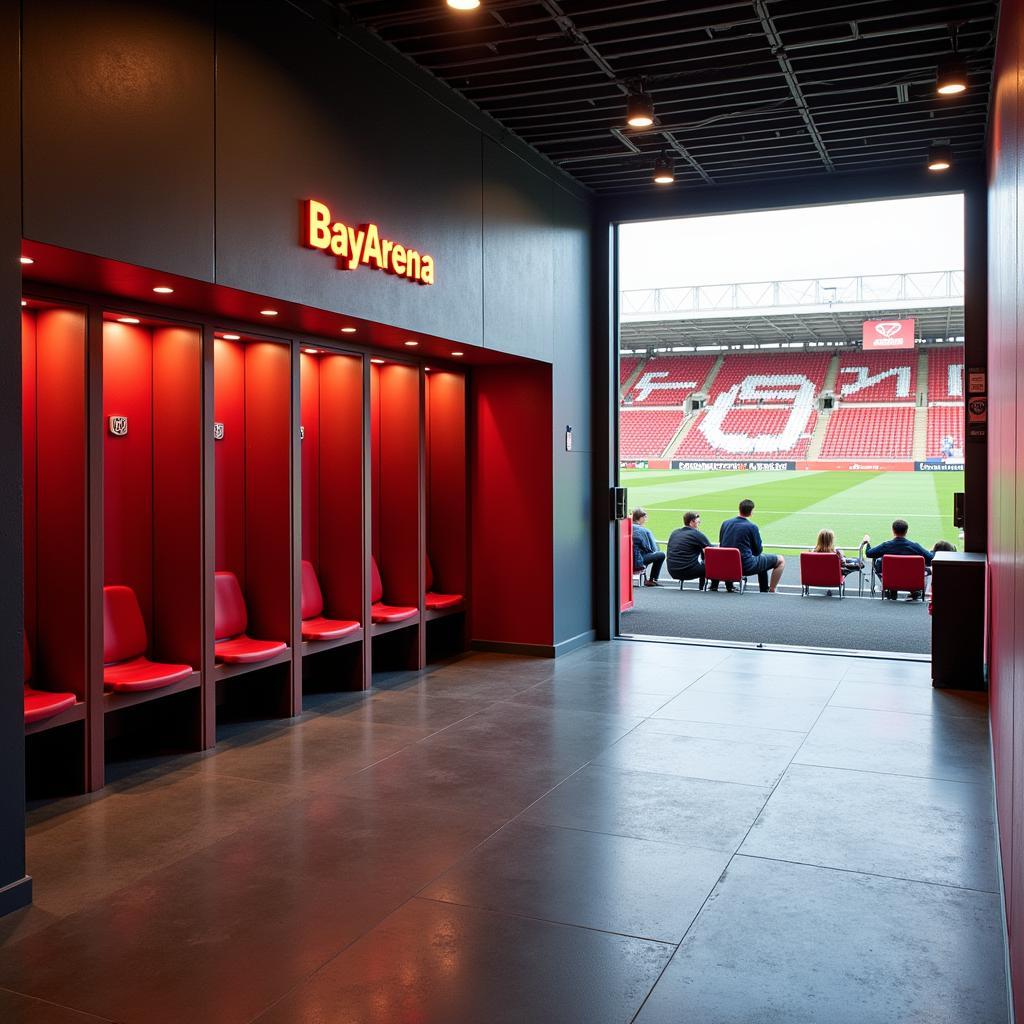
[413, 710]
[927, 830]
[608, 700]
[806, 945]
[777, 663]
[17, 1009]
[716, 731]
[917, 697]
[732, 708]
[612, 883]
[930, 746]
[434, 963]
[796, 688]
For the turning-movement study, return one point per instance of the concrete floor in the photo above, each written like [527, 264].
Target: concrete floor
[636, 832]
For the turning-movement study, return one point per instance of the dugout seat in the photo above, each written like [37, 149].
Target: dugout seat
[42, 704]
[231, 619]
[724, 565]
[438, 602]
[126, 669]
[314, 625]
[381, 612]
[902, 572]
[821, 569]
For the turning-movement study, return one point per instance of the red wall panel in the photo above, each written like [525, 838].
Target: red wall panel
[446, 480]
[511, 593]
[229, 456]
[309, 391]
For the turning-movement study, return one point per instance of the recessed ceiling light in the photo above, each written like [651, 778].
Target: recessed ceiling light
[412, 344]
[162, 289]
[348, 330]
[426, 369]
[377, 361]
[24, 303]
[639, 110]
[231, 337]
[457, 354]
[463, 5]
[268, 312]
[26, 260]
[127, 319]
[311, 351]
[940, 158]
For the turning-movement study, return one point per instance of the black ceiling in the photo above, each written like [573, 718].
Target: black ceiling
[747, 90]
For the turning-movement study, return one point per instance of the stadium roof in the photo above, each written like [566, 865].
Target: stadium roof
[743, 89]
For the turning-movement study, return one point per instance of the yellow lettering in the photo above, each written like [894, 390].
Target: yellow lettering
[412, 268]
[371, 250]
[355, 245]
[398, 259]
[428, 269]
[386, 246]
[318, 217]
[339, 240]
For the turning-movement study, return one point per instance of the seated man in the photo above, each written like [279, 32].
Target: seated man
[685, 550]
[740, 532]
[645, 549]
[898, 545]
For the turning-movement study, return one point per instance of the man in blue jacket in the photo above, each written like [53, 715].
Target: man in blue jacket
[899, 545]
[645, 548]
[741, 533]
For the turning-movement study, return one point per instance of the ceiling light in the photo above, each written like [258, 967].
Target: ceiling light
[664, 170]
[639, 110]
[268, 312]
[940, 158]
[457, 355]
[231, 337]
[127, 319]
[24, 303]
[162, 289]
[348, 330]
[377, 362]
[951, 76]
[426, 369]
[311, 351]
[412, 344]
[26, 260]
[463, 5]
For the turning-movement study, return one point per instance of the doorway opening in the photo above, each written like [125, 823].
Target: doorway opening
[809, 361]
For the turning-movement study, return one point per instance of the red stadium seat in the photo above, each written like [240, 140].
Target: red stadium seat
[724, 565]
[231, 645]
[644, 434]
[314, 625]
[438, 602]
[126, 669]
[380, 612]
[885, 432]
[902, 572]
[821, 569]
[42, 704]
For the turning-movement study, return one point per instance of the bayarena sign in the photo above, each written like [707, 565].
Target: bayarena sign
[362, 245]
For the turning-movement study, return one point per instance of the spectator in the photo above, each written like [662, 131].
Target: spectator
[686, 550]
[898, 545]
[740, 532]
[645, 549]
[943, 545]
[826, 543]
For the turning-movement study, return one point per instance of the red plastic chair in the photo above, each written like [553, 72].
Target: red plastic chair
[380, 612]
[314, 625]
[902, 572]
[724, 565]
[438, 602]
[821, 569]
[230, 621]
[126, 669]
[42, 704]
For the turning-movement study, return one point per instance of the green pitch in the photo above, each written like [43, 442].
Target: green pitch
[793, 506]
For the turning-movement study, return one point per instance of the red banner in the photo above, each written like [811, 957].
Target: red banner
[889, 334]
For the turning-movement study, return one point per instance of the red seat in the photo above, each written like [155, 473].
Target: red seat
[902, 572]
[821, 569]
[724, 565]
[126, 669]
[42, 704]
[231, 644]
[438, 602]
[314, 625]
[381, 612]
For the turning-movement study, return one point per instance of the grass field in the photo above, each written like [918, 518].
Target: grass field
[793, 506]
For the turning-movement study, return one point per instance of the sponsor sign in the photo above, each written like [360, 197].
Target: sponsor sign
[939, 467]
[633, 464]
[732, 467]
[977, 416]
[888, 334]
[976, 383]
[864, 467]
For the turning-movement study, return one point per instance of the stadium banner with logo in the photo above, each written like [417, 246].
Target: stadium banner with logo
[884, 334]
[857, 466]
[731, 467]
[938, 466]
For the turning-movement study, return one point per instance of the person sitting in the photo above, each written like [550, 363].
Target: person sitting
[645, 549]
[898, 545]
[739, 532]
[943, 545]
[686, 551]
[826, 543]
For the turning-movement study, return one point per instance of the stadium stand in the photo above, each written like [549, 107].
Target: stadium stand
[655, 385]
[885, 432]
[752, 423]
[946, 374]
[645, 434]
[945, 421]
[627, 364]
[856, 380]
[735, 369]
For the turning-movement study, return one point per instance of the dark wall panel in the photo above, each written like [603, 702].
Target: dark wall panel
[118, 107]
[301, 114]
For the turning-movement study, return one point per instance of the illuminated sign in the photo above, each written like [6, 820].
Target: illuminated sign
[888, 334]
[362, 245]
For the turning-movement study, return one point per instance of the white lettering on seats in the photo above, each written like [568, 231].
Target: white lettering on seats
[955, 380]
[866, 380]
[794, 387]
[648, 384]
